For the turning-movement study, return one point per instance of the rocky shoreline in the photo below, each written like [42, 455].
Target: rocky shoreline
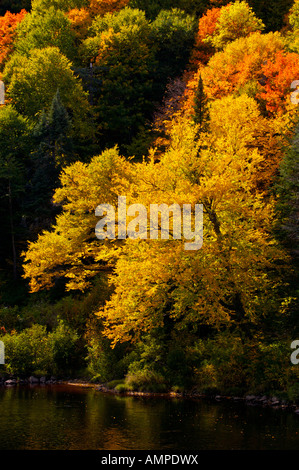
[32, 380]
[250, 400]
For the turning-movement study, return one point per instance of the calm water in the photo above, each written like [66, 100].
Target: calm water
[66, 417]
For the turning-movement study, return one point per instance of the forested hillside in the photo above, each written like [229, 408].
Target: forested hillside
[164, 102]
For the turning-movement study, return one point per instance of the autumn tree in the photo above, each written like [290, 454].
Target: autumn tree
[292, 36]
[235, 20]
[219, 284]
[207, 24]
[219, 26]
[234, 275]
[239, 64]
[72, 242]
[101, 7]
[80, 22]
[8, 26]
[279, 74]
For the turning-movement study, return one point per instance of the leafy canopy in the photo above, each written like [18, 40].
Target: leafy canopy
[32, 82]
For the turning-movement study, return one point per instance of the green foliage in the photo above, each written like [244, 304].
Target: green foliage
[219, 364]
[33, 81]
[269, 367]
[49, 27]
[294, 16]
[27, 351]
[292, 35]
[225, 364]
[134, 59]
[66, 355]
[125, 63]
[236, 20]
[15, 146]
[145, 380]
[127, 21]
[178, 367]
[10, 319]
[173, 33]
[201, 112]
[64, 5]
[54, 148]
[293, 392]
[34, 350]
[103, 363]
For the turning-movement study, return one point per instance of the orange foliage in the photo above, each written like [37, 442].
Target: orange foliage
[8, 25]
[80, 20]
[206, 27]
[279, 74]
[207, 23]
[240, 63]
[101, 7]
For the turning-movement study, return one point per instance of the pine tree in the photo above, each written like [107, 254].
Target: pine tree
[200, 108]
[54, 149]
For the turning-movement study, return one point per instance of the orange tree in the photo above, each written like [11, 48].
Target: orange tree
[8, 25]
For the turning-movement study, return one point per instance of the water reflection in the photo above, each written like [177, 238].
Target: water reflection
[66, 417]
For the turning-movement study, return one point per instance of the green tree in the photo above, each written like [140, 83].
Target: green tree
[54, 149]
[236, 20]
[125, 63]
[200, 108]
[32, 83]
[292, 36]
[14, 151]
[43, 28]
[173, 34]
[64, 5]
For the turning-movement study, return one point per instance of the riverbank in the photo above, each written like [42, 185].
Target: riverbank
[250, 400]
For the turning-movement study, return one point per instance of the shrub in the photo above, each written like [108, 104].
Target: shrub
[27, 351]
[64, 349]
[146, 380]
[35, 351]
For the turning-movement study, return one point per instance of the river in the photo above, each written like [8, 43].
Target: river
[65, 417]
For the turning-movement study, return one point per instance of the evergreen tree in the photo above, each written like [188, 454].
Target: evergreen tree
[200, 109]
[54, 149]
[14, 148]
